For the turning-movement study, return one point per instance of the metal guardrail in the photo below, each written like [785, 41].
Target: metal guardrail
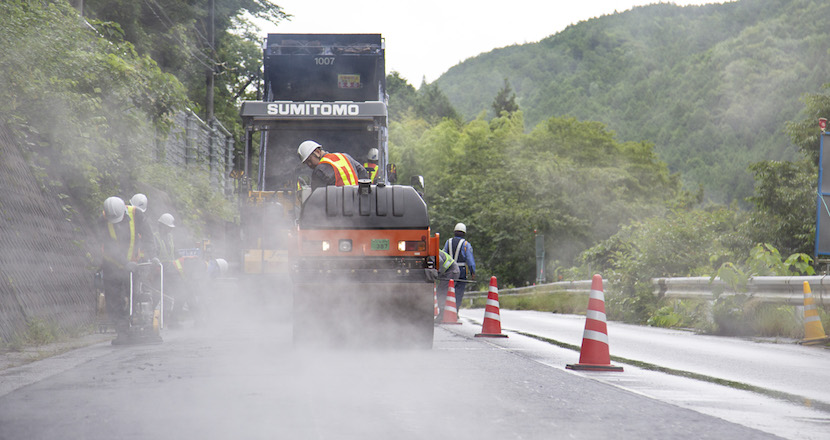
[781, 290]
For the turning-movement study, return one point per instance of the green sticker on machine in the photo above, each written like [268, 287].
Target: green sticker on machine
[380, 244]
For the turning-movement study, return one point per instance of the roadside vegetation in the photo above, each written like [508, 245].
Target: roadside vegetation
[88, 97]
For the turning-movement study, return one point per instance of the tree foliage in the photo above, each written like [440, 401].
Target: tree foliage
[785, 206]
[570, 180]
[505, 100]
[711, 86]
[86, 106]
[177, 35]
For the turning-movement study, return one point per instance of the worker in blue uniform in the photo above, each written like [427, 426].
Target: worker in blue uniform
[462, 252]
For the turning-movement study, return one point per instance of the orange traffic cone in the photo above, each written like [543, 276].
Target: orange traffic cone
[813, 330]
[492, 320]
[594, 353]
[450, 311]
[435, 300]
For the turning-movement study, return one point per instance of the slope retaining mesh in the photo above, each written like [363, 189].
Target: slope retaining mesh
[44, 273]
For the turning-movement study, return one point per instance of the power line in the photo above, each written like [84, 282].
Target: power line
[205, 60]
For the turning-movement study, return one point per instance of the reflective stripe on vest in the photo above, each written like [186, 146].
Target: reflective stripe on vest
[166, 249]
[131, 250]
[458, 250]
[179, 267]
[344, 173]
[372, 169]
[448, 261]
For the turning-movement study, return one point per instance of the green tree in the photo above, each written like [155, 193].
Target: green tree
[177, 35]
[402, 96]
[805, 132]
[505, 100]
[86, 110]
[710, 86]
[785, 206]
[86, 107]
[567, 179]
[432, 104]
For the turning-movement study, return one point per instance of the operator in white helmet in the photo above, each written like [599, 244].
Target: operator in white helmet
[338, 169]
[371, 164]
[167, 254]
[462, 252]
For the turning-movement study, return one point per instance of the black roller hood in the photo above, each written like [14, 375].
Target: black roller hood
[384, 207]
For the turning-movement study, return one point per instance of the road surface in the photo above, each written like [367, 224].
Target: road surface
[240, 377]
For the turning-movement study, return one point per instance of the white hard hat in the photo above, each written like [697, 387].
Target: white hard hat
[223, 265]
[167, 220]
[373, 154]
[139, 201]
[114, 209]
[306, 148]
[461, 227]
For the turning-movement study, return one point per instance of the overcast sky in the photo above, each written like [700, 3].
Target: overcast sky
[425, 38]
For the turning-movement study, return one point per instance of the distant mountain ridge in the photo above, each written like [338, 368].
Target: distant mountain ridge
[711, 86]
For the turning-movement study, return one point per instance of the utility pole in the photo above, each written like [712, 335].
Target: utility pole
[79, 5]
[211, 70]
[540, 257]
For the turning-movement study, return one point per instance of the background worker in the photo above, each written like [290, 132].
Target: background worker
[338, 169]
[462, 252]
[192, 280]
[165, 244]
[447, 270]
[125, 235]
[167, 254]
[139, 201]
[371, 164]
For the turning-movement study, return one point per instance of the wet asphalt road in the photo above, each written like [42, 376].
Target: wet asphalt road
[241, 378]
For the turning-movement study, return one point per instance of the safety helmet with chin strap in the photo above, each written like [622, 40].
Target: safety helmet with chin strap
[167, 220]
[139, 201]
[306, 148]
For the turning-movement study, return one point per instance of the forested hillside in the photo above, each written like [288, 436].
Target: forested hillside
[711, 86]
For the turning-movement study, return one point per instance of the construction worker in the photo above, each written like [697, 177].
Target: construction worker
[371, 164]
[462, 252]
[125, 235]
[340, 169]
[447, 270]
[164, 238]
[167, 254]
[391, 173]
[190, 279]
[139, 201]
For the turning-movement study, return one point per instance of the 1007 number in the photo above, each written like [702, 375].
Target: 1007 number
[324, 61]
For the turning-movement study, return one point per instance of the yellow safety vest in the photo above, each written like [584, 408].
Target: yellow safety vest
[178, 263]
[132, 255]
[372, 169]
